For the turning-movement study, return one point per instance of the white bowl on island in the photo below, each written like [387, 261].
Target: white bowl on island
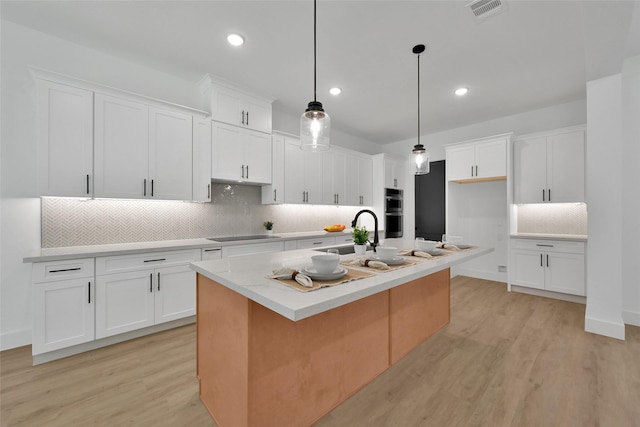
[325, 263]
[386, 253]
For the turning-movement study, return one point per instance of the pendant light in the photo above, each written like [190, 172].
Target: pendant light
[419, 153]
[314, 122]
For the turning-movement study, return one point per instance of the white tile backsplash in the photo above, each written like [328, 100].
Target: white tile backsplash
[235, 210]
[553, 218]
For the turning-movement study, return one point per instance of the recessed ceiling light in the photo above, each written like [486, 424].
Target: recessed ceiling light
[335, 91]
[235, 39]
[461, 91]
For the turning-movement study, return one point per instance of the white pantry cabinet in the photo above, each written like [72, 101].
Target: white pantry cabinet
[201, 159]
[65, 140]
[141, 151]
[334, 171]
[482, 160]
[549, 168]
[137, 291]
[240, 155]
[274, 193]
[550, 265]
[63, 304]
[303, 174]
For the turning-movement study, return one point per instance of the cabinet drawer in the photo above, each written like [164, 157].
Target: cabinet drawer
[251, 249]
[316, 243]
[121, 263]
[549, 246]
[62, 270]
[211, 253]
[346, 239]
[290, 245]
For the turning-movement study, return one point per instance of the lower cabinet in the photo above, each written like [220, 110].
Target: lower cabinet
[556, 266]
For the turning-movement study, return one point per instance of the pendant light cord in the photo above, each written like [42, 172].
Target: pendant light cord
[418, 98]
[314, 51]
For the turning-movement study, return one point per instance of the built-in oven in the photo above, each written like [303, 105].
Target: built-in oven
[393, 213]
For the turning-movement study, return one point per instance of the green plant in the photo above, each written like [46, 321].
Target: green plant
[268, 225]
[360, 235]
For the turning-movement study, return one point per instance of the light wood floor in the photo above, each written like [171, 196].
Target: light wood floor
[506, 359]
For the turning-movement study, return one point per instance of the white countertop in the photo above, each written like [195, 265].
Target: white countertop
[567, 237]
[247, 275]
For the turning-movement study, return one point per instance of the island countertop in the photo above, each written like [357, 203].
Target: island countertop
[248, 276]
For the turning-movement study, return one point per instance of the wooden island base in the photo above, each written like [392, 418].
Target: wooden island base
[257, 368]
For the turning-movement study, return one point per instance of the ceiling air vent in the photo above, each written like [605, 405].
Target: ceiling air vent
[482, 9]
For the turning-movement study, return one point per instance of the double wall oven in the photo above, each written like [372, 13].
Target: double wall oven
[392, 212]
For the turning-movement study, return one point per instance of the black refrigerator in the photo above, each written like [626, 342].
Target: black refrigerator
[430, 200]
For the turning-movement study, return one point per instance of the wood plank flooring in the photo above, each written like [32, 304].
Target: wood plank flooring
[506, 359]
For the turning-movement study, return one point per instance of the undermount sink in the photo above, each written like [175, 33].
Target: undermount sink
[343, 250]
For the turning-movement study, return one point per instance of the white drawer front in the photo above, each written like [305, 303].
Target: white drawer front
[62, 270]
[316, 243]
[290, 245]
[122, 263]
[346, 239]
[549, 245]
[251, 249]
[211, 253]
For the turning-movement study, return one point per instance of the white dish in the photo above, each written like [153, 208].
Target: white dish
[395, 261]
[436, 252]
[314, 275]
[463, 246]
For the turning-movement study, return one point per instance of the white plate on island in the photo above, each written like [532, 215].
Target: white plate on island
[314, 275]
[437, 252]
[395, 261]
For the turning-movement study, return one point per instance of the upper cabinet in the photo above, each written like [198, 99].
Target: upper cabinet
[477, 161]
[235, 106]
[334, 170]
[201, 159]
[549, 167]
[141, 151]
[303, 174]
[65, 140]
[240, 155]
[394, 172]
[359, 179]
[274, 193]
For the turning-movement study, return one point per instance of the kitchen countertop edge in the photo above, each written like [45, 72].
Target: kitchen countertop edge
[540, 236]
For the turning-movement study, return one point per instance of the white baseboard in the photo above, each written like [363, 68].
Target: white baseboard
[549, 294]
[604, 327]
[631, 317]
[479, 274]
[14, 339]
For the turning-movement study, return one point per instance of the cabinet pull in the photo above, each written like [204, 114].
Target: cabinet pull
[87, 183]
[247, 165]
[65, 269]
[541, 260]
[155, 260]
[242, 116]
[549, 190]
[144, 188]
[150, 282]
[151, 188]
[337, 199]
[242, 171]
[213, 250]
[274, 195]
[158, 281]
[476, 170]
[208, 191]
[547, 260]
[317, 243]
[89, 289]
[543, 196]
[471, 170]
[544, 246]
[247, 118]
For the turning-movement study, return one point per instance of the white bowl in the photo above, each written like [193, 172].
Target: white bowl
[386, 253]
[426, 245]
[325, 263]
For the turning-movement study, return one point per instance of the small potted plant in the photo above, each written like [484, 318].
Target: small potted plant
[360, 239]
[268, 225]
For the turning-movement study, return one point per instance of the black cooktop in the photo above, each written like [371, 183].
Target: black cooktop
[234, 238]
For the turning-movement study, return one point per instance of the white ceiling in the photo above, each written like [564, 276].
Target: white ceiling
[535, 54]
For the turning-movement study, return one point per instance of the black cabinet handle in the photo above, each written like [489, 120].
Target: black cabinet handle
[471, 170]
[150, 282]
[243, 171]
[547, 260]
[544, 246]
[65, 269]
[212, 250]
[155, 260]
[274, 195]
[541, 260]
[543, 196]
[144, 188]
[549, 194]
[87, 183]
[247, 120]
[208, 191]
[89, 288]
[151, 188]
[476, 170]
[242, 116]
[247, 168]
[158, 281]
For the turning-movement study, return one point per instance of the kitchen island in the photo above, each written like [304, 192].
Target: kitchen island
[269, 355]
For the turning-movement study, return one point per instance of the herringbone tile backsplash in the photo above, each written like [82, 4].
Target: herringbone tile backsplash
[235, 210]
[553, 218]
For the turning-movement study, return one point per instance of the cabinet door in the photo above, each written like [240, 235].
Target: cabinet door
[201, 160]
[257, 157]
[227, 105]
[170, 155]
[530, 171]
[565, 273]
[227, 152]
[65, 140]
[491, 159]
[121, 148]
[294, 172]
[63, 314]
[460, 163]
[353, 181]
[175, 293]
[274, 193]
[528, 268]
[365, 178]
[124, 302]
[313, 177]
[334, 170]
[565, 167]
[257, 114]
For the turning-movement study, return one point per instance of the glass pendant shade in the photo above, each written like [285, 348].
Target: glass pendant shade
[420, 160]
[315, 126]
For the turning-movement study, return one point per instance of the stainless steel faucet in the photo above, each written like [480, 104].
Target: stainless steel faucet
[375, 226]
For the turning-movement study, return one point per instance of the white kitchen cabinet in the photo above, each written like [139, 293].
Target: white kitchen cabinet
[550, 265]
[141, 151]
[240, 155]
[252, 248]
[359, 177]
[201, 159]
[141, 290]
[211, 253]
[394, 173]
[316, 242]
[334, 170]
[549, 168]
[482, 160]
[63, 304]
[236, 106]
[65, 140]
[274, 193]
[303, 174]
